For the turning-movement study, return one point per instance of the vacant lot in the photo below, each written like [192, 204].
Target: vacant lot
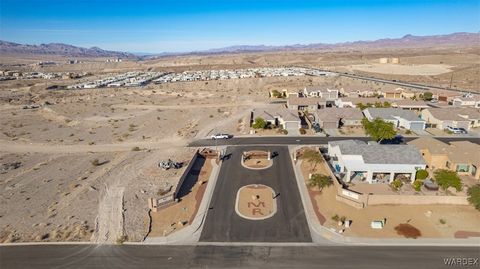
[402, 69]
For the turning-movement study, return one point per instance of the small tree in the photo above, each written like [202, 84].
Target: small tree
[447, 178]
[474, 196]
[421, 174]
[259, 123]
[276, 94]
[361, 106]
[313, 157]
[427, 96]
[320, 181]
[387, 104]
[379, 129]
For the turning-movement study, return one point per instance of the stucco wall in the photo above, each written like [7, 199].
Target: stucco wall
[377, 199]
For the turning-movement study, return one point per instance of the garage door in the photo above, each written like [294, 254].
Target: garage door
[415, 126]
[329, 125]
[291, 125]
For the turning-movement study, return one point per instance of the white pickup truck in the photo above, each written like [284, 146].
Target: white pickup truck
[221, 136]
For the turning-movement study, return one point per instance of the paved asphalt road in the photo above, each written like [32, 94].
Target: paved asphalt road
[300, 140]
[289, 223]
[358, 257]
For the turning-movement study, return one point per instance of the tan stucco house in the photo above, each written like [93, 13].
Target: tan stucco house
[460, 156]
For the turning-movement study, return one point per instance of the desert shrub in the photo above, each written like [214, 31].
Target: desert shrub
[474, 196]
[259, 123]
[302, 131]
[396, 184]
[421, 174]
[135, 149]
[417, 185]
[335, 218]
[446, 178]
[95, 162]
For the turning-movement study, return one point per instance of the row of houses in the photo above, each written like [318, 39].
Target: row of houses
[9, 75]
[129, 79]
[205, 75]
[414, 115]
[457, 99]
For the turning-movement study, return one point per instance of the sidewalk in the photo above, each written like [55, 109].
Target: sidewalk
[324, 236]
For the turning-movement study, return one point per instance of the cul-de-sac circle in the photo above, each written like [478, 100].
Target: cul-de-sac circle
[256, 202]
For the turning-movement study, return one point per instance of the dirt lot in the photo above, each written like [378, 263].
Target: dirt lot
[132, 129]
[402, 69]
[181, 214]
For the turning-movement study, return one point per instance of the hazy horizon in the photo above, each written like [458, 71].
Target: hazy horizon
[152, 27]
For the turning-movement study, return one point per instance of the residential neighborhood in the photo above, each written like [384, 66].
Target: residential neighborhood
[240, 134]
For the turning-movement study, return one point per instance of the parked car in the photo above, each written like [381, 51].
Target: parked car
[454, 130]
[316, 127]
[221, 136]
[463, 130]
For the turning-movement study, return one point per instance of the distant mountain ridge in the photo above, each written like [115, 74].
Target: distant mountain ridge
[59, 49]
[408, 41]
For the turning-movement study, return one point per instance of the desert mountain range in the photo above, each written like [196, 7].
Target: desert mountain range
[407, 41]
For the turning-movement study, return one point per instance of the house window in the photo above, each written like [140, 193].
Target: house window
[463, 168]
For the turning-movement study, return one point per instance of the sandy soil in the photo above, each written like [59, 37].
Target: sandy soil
[256, 201]
[401, 69]
[181, 214]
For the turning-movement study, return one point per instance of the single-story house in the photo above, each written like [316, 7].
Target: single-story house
[357, 92]
[400, 118]
[472, 114]
[454, 117]
[353, 101]
[278, 116]
[323, 93]
[392, 94]
[460, 156]
[470, 101]
[332, 118]
[374, 163]
[304, 103]
[445, 96]
[410, 104]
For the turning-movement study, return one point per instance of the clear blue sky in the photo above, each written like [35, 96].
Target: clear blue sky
[184, 25]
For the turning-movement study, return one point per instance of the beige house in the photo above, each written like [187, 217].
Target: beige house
[440, 118]
[392, 94]
[460, 156]
[310, 104]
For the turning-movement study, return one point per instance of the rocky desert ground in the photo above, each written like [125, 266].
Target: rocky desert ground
[82, 165]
